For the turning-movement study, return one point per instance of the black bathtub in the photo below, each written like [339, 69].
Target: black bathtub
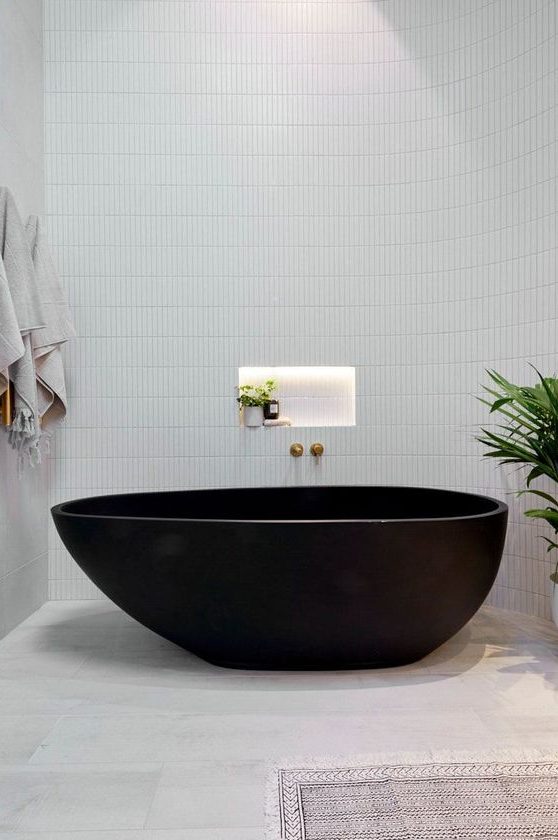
[293, 577]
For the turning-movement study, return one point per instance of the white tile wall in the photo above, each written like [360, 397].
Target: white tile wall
[23, 503]
[324, 182]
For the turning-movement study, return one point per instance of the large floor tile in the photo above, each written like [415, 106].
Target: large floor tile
[93, 614]
[20, 735]
[250, 736]
[175, 668]
[526, 727]
[141, 834]
[76, 798]
[35, 697]
[181, 805]
[110, 733]
[209, 794]
[29, 665]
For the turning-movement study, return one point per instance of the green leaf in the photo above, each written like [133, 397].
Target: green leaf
[546, 496]
[550, 516]
[499, 403]
[536, 472]
[545, 382]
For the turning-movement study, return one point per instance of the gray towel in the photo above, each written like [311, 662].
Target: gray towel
[16, 256]
[47, 342]
[11, 345]
[20, 275]
[24, 432]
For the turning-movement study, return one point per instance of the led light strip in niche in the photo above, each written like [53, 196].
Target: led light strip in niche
[309, 396]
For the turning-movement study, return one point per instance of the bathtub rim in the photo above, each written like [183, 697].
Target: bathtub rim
[59, 509]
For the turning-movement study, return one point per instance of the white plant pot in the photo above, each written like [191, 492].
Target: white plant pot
[252, 415]
[554, 602]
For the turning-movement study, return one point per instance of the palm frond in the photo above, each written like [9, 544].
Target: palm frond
[527, 435]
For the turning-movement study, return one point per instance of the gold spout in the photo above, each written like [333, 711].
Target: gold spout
[296, 450]
[6, 405]
[317, 449]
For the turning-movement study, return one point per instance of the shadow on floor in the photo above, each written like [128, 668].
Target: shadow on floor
[112, 641]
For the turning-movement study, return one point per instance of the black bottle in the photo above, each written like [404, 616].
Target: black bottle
[271, 410]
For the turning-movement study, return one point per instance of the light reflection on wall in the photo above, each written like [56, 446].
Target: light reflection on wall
[309, 396]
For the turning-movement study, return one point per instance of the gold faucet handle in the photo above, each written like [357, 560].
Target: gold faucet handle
[296, 450]
[317, 449]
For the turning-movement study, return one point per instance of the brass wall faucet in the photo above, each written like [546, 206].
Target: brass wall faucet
[317, 449]
[296, 450]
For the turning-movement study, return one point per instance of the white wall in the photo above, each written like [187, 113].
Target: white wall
[275, 182]
[23, 503]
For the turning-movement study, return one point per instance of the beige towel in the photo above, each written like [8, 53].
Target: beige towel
[20, 274]
[47, 342]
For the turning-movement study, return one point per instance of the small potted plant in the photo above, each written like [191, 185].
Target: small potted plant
[252, 399]
[528, 437]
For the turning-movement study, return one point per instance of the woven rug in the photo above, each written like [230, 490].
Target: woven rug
[421, 801]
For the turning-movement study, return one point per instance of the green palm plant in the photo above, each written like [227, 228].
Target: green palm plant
[528, 437]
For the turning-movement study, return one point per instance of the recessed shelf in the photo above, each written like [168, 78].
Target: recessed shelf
[310, 396]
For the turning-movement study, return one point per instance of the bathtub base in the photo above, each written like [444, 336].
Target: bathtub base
[308, 665]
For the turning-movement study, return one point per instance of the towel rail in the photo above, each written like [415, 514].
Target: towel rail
[7, 405]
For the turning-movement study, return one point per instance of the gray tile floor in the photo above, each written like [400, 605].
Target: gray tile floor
[109, 733]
